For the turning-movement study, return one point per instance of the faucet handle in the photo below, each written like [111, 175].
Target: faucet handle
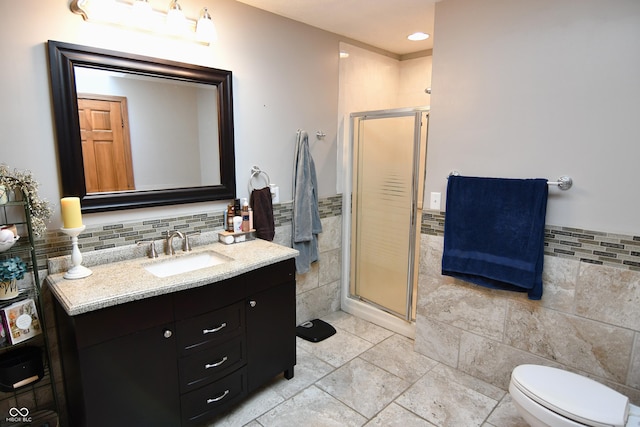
[187, 243]
[167, 241]
[152, 248]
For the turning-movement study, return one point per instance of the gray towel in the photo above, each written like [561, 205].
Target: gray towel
[306, 223]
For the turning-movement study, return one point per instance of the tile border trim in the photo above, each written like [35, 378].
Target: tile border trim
[596, 247]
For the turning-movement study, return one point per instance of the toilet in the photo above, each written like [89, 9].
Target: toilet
[546, 396]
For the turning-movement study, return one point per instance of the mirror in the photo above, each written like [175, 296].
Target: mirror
[134, 131]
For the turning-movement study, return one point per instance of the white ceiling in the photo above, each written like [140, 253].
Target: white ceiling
[384, 24]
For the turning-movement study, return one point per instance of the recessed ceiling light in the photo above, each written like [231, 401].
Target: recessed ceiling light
[418, 36]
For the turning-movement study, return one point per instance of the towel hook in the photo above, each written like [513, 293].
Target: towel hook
[255, 173]
[320, 134]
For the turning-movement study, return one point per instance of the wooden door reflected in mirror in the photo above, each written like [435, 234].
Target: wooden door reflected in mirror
[106, 147]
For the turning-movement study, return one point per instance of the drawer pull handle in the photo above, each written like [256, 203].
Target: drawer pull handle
[210, 331]
[219, 398]
[216, 364]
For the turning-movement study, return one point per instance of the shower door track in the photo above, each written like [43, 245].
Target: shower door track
[376, 305]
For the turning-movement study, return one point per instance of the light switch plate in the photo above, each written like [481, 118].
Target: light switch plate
[434, 201]
[275, 193]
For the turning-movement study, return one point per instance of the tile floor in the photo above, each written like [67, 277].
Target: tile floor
[365, 375]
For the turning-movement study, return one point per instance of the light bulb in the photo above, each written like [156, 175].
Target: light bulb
[206, 29]
[176, 21]
[418, 36]
[141, 13]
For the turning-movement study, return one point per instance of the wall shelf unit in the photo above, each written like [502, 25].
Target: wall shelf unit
[16, 212]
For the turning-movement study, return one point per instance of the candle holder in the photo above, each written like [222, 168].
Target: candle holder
[77, 271]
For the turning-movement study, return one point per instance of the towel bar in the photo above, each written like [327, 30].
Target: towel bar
[564, 182]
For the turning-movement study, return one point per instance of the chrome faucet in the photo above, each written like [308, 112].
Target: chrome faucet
[170, 236]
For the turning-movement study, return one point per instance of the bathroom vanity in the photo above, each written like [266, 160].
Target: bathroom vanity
[176, 350]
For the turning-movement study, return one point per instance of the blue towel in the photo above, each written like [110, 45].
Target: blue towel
[494, 232]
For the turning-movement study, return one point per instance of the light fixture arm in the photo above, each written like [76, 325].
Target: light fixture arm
[78, 7]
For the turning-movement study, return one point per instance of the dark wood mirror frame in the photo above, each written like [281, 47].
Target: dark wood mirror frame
[62, 59]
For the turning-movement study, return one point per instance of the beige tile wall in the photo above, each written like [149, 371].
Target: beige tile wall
[588, 321]
[318, 291]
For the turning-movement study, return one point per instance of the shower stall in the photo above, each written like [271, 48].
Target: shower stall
[381, 219]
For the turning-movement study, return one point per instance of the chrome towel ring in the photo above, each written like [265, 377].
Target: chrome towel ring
[256, 173]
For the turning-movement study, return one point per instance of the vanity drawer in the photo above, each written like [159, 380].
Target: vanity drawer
[199, 405]
[204, 299]
[212, 328]
[270, 276]
[109, 323]
[209, 365]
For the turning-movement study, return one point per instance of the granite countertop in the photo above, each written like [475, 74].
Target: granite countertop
[116, 282]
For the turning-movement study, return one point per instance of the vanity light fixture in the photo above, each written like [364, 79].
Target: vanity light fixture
[140, 15]
[418, 36]
[205, 29]
[141, 6]
[176, 21]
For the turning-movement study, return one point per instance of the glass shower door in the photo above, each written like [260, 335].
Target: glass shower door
[386, 156]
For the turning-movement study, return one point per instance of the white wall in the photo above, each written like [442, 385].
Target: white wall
[415, 78]
[542, 89]
[371, 81]
[285, 77]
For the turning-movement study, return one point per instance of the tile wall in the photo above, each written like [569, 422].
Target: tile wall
[588, 320]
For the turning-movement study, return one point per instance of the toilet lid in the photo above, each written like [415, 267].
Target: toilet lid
[571, 395]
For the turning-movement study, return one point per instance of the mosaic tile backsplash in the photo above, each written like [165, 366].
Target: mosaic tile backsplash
[109, 236]
[584, 245]
[594, 247]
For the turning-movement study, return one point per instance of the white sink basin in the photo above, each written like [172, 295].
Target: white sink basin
[185, 264]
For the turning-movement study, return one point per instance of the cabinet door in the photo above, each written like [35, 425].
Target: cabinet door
[132, 380]
[271, 334]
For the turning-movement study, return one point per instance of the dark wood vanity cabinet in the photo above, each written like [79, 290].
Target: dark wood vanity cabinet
[270, 349]
[179, 359]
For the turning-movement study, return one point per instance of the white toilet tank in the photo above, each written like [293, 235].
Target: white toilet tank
[571, 395]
